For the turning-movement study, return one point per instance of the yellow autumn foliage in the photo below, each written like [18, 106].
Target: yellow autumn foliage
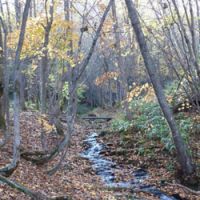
[34, 38]
[105, 77]
[45, 125]
[137, 90]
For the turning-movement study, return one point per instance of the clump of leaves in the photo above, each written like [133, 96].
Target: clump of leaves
[149, 120]
[121, 125]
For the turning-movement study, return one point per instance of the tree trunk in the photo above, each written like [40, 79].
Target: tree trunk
[16, 151]
[5, 72]
[72, 101]
[22, 91]
[120, 61]
[9, 18]
[2, 119]
[1, 8]
[45, 60]
[2, 111]
[18, 12]
[16, 145]
[183, 156]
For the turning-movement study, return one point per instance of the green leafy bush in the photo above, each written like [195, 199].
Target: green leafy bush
[149, 120]
[121, 125]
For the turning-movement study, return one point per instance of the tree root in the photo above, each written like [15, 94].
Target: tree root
[64, 149]
[40, 157]
[8, 170]
[186, 189]
[30, 193]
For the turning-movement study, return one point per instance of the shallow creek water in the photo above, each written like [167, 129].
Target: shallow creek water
[105, 169]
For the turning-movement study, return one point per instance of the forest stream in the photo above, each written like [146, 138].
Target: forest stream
[105, 169]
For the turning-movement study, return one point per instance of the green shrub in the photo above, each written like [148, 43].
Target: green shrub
[121, 125]
[30, 105]
[148, 119]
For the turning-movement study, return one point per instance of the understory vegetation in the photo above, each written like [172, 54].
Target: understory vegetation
[148, 119]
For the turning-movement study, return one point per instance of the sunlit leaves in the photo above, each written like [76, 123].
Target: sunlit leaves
[138, 90]
[106, 76]
[59, 41]
[33, 39]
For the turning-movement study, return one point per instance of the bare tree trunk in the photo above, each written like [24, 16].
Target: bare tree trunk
[22, 92]
[6, 72]
[34, 8]
[9, 18]
[1, 8]
[16, 145]
[17, 70]
[71, 106]
[183, 156]
[120, 60]
[18, 12]
[2, 118]
[18, 21]
[31, 10]
[44, 61]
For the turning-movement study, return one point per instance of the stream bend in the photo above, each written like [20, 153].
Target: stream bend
[105, 169]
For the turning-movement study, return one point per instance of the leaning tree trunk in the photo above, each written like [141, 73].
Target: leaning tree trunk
[16, 145]
[182, 151]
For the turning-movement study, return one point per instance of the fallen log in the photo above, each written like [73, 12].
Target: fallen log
[97, 118]
[41, 158]
[30, 193]
[185, 188]
[8, 169]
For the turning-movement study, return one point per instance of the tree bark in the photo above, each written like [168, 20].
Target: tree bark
[16, 145]
[183, 156]
[45, 60]
[6, 72]
[9, 18]
[2, 120]
[120, 60]
[18, 12]
[2, 113]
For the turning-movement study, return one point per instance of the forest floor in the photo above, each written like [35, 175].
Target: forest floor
[76, 177]
[161, 167]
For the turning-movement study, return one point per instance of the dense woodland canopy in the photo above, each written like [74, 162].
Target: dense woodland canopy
[61, 61]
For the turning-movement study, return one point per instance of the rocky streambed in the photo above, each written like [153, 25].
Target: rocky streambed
[105, 168]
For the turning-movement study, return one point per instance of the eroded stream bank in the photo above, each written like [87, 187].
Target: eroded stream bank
[105, 168]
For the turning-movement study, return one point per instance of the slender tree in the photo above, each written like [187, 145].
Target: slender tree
[16, 65]
[2, 118]
[182, 151]
[44, 61]
[120, 61]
